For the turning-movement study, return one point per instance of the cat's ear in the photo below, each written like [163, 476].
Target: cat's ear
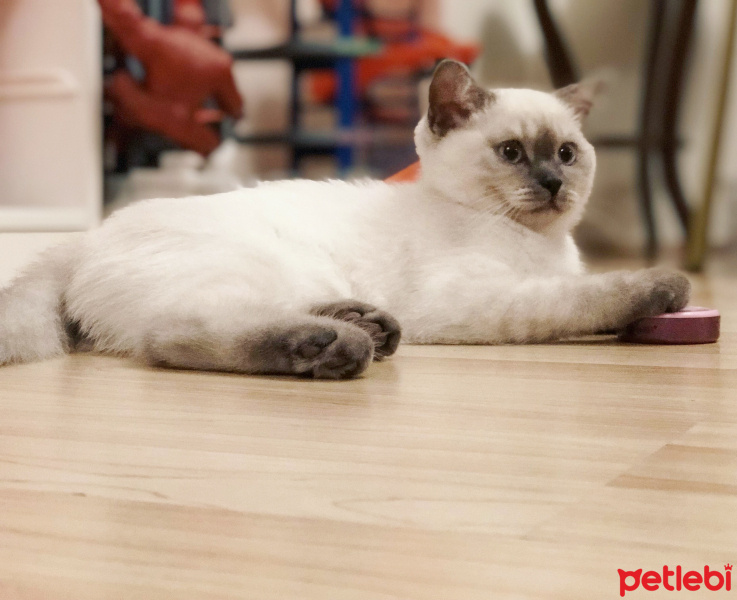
[580, 96]
[454, 97]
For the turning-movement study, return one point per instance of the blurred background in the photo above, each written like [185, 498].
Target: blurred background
[103, 102]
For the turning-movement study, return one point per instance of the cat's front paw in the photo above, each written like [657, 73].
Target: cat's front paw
[380, 325]
[657, 291]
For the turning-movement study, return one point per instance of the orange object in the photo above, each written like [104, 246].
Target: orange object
[397, 58]
[189, 14]
[409, 174]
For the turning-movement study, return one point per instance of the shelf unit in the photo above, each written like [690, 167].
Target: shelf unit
[339, 55]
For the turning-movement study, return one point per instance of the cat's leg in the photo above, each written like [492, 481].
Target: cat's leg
[284, 344]
[380, 325]
[540, 309]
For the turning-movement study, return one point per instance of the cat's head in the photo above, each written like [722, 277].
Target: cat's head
[515, 152]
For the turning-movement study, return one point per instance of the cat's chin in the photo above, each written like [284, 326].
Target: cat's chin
[550, 207]
[542, 218]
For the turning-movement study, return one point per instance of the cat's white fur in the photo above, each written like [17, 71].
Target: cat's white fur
[448, 256]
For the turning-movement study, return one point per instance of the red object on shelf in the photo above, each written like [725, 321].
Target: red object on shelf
[411, 173]
[397, 58]
[183, 70]
[189, 14]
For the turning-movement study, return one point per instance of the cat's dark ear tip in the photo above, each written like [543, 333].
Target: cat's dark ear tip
[450, 61]
[580, 96]
[450, 64]
[594, 85]
[454, 96]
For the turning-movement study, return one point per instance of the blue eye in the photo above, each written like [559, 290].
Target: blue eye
[511, 151]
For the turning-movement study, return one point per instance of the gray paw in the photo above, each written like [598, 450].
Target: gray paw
[658, 291]
[330, 351]
[310, 347]
[381, 326]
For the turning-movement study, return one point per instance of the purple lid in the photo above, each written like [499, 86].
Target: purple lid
[692, 325]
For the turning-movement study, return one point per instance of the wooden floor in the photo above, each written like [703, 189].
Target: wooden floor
[444, 474]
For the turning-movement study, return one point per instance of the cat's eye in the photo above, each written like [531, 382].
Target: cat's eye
[567, 153]
[511, 151]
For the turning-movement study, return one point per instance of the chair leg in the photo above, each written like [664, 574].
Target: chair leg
[672, 101]
[698, 240]
[649, 122]
[646, 200]
[560, 64]
[673, 185]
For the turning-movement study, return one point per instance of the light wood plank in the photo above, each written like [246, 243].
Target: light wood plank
[447, 472]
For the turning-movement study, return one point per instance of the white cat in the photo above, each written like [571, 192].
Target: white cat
[284, 278]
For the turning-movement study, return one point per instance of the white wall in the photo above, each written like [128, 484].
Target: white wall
[610, 34]
[50, 99]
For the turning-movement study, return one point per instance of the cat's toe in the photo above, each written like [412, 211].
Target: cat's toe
[384, 329]
[331, 351]
[659, 291]
[679, 288]
[315, 343]
[348, 356]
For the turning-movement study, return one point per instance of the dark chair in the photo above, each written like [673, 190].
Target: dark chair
[670, 30]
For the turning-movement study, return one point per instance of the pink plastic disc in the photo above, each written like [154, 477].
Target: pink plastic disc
[692, 325]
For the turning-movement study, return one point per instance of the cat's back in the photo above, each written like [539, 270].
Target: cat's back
[296, 205]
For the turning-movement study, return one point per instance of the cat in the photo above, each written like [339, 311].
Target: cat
[315, 278]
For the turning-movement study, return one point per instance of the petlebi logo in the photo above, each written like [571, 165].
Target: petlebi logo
[676, 580]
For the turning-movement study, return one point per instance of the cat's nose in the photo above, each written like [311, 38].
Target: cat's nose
[550, 183]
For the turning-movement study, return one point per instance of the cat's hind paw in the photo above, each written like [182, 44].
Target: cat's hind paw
[380, 325]
[327, 352]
